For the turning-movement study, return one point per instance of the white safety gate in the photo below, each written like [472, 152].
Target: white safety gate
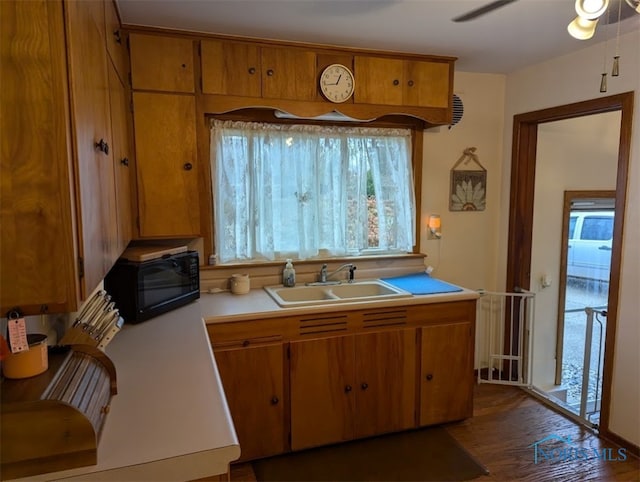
[504, 325]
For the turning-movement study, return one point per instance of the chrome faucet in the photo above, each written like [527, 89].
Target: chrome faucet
[324, 276]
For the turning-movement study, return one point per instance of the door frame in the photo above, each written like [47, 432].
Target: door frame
[521, 201]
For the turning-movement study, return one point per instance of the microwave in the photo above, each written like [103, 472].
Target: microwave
[144, 289]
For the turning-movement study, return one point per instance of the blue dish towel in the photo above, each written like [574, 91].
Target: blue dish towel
[421, 284]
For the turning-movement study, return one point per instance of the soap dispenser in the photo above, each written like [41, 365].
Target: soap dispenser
[289, 275]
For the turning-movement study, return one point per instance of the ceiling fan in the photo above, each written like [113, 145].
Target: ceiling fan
[489, 7]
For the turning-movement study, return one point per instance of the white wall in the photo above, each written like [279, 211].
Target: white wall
[567, 79]
[573, 154]
[466, 254]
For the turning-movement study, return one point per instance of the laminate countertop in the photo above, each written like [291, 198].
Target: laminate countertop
[169, 420]
[225, 306]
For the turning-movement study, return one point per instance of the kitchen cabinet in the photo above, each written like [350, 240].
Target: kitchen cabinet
[351, 386]
[245, 69]
[115, 40]
[166, 165]
[59, 215]
[161, 63]
[122, 157]
[446, 372]
[390, 81]
[253, 380]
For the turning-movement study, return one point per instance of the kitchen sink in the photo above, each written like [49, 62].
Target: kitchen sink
[364, 290]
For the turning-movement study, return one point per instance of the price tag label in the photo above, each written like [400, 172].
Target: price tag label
[17, 335]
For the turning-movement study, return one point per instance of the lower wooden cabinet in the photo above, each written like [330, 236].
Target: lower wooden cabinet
[351, 386]
[446, 373]
[253, 381]
[291, 388]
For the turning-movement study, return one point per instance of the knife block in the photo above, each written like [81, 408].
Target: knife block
[76, 335]
[53, 421]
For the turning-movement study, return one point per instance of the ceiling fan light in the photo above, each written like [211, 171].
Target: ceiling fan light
[591, 9]
[581, 28]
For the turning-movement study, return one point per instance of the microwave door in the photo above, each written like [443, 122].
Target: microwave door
[163, 280]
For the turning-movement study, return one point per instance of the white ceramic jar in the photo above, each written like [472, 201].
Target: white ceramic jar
[240, 284]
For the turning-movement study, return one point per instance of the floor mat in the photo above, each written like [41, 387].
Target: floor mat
[428, 454]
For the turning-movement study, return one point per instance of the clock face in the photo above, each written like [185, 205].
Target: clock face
[336, 83]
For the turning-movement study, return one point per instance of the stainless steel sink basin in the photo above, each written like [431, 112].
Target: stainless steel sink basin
[364, 290]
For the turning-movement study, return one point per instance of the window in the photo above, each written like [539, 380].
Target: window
[305, 191]
[597, 228]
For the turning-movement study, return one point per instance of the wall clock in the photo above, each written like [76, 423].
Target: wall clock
[337, 83]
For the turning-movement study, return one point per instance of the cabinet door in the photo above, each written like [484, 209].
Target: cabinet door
[230, 68]
[322, 391]
[115, 40]
[161, 63]
[253, 380]
[91, 121]
[385, 381]
[122, 158]
[378, 80]
[37, 261]
[446, 373]
[166, 164]
[426, 84]
[288, 74]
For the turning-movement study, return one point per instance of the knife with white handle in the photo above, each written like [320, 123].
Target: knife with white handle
[95, 315]
[106, 327]
[103, 318]
[88, 306]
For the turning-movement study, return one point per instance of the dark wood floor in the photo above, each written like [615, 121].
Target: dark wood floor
[506, 422]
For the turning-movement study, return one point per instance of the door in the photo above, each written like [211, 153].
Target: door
[446, 382]
[288, 73]
[231, 68]
[91, 120]
[322, 391]
[588, 218]
[253, 380]
[385, 381]
[166, 164]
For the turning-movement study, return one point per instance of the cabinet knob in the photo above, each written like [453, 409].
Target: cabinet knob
[270, 72]
[396, 82]
[116, 34]
[275, 400]
[102, 146]
[347, 389]
[364, 386]
[245, 343]
[429, 377]
[187, 166]
[184, 66]
[252, 70]
[124, 161]
[410, 83]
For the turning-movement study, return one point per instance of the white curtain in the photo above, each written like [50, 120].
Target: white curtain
[301, 191]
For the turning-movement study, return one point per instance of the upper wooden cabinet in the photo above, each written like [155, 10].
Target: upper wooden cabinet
[381, 80]
[116, 41]
[161, 63]
[231, 68]
[59, 215]
[245, 69]
[166, 164]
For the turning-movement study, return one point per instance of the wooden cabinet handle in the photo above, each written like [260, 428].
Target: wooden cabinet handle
[188, 166]
[252, 70]
[364, 386]
[410, 83]
[396, 82]
[103, 146]
[429, 377]
[270, 72]
[116, 34]
[347, 389]
[124, 161]
[275, 400]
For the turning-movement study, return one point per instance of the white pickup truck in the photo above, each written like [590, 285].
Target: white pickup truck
[590, 238]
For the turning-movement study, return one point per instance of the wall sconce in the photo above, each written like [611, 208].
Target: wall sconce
[434, 226]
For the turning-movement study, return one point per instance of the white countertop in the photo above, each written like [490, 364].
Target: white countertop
[169, 420]
[225, 306]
